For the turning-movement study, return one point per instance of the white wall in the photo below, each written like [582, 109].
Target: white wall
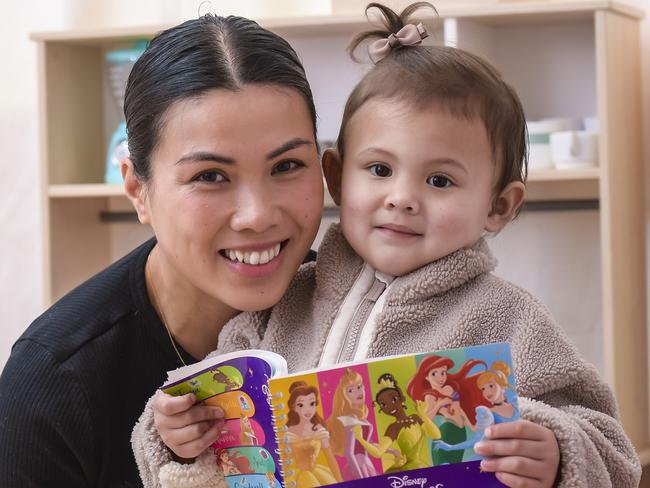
[20, 239]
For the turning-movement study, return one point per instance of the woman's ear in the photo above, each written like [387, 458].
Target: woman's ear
[136, 190]
[505, 206]
[333, 169]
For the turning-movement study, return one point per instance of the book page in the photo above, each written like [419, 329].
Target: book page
[401, 421]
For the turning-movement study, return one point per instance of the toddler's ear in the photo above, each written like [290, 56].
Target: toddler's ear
[135, 190]
[505, 206]
[333, 169]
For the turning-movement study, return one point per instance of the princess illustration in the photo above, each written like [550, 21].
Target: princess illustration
[494, 386]
[233, 462]
[306, 437]
[349, 409]
[247, 435]
[407, 434]
[453, 396]
[221, 377]
[484, 418]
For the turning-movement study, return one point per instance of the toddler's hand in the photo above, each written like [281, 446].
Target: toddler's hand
[185, 427]
[527, 454]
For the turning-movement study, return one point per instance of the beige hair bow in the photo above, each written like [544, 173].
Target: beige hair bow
[409, 35]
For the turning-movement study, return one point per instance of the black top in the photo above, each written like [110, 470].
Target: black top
[78, 379]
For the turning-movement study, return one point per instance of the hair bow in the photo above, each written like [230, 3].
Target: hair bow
[409, 35]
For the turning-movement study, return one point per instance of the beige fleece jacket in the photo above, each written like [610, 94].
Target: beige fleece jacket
[453, 302]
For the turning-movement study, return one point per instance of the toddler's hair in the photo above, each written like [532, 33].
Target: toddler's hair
[444, 78]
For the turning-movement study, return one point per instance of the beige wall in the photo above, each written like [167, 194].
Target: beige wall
[20, 239]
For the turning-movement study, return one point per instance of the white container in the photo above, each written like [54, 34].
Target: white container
[539, 143]
[574, 149]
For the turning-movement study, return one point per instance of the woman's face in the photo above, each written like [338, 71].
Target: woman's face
[437, 377]
[355, 394]
[236, 193]
[305, 406]
[492, 392]
[390, 402]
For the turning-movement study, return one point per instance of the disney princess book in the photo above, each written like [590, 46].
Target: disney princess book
[400, 421]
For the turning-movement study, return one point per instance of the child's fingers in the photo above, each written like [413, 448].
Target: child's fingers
[198, 413]
[516, 481]
[171, 405]
[196, 446]
[515, 465]
[174, 438]
[520, 429]
[510, 447]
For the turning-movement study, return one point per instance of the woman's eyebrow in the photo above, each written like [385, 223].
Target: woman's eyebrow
[288, 146]
[205, 156]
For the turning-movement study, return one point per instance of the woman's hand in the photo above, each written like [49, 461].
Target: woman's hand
[526, 454]
[186, 427]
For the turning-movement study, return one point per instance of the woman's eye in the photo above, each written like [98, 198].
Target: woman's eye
[210, 177]
[380, 170]
[439, 181]
[286, 166]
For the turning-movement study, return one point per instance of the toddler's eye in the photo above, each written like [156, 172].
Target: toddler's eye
[439, 181]
[380, 170]
[210, 177]
[286, 166]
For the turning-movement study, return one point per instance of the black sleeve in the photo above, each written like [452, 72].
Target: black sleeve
[311, 256]
[45, 425]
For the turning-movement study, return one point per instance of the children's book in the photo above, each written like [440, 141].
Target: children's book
[401, 421]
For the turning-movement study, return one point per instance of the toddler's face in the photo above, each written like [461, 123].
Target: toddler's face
[415, 186]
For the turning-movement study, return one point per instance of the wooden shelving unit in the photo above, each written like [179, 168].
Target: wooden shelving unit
[577, 57]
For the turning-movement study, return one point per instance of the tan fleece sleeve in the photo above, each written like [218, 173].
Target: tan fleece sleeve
[594, 450]
[157, 467]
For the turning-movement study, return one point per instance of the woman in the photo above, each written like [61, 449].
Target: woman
[453, 396]
[224, 166]
[408, 433]
[349, 409]
[306, 437]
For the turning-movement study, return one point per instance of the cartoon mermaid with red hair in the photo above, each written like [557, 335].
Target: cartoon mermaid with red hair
[453, 396]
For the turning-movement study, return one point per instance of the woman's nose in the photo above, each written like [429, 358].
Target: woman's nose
[256, 210]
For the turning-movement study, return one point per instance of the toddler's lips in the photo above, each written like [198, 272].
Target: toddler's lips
[400, 230]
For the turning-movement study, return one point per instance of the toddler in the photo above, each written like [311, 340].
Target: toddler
[431, 156]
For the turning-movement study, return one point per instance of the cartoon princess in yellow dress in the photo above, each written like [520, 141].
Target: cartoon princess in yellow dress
[306, 437]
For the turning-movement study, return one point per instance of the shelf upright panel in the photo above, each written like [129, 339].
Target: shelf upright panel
[623, 219]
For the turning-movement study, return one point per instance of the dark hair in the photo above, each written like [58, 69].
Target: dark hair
[298, 389]
[446, 78]
[388, 382]
[200, 55]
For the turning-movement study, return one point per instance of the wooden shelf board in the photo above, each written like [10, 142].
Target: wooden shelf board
[556, 175]
[90, 190]
[493, 12]
[101, 190]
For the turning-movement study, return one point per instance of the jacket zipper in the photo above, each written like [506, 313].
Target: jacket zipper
[361, 313]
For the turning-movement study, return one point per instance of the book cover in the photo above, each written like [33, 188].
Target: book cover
[402, 421]
[394, 422]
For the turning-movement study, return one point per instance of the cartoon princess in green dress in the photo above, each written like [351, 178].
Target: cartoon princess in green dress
[407, 435]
